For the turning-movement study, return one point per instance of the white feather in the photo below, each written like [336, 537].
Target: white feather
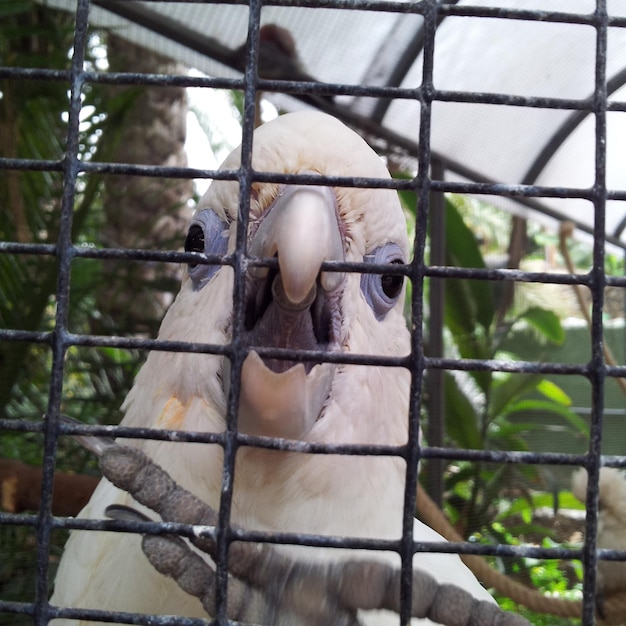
[611, 523]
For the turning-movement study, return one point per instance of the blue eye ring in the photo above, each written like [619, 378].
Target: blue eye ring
[382, 291]
[207, 234]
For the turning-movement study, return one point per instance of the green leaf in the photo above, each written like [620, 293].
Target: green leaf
[462, 422]
[507, 390]
[469, 307]
[519, 505]
[553, 392]
[574, 420]
[505, 435]
[568, 500]
[471, 300]
[546, 322]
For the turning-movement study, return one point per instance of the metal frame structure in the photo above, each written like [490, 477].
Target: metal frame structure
[60, 339]
[396, 66]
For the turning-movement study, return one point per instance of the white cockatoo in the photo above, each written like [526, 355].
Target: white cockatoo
[294, 306]
[611, 575]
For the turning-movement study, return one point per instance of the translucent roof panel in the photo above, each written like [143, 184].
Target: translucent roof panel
[513, 80]
[502, 56]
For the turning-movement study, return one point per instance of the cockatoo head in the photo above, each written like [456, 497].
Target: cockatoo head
[296, 305]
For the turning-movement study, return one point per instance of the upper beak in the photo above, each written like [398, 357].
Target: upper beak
[301, 229]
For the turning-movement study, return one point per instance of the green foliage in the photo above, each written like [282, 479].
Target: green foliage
[33, 125]
[546, 322]
[551, 577]
[480, 403]
[483, 408]
[31, 114]
[469, 303]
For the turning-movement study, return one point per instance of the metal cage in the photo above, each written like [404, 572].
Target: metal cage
[429, 183]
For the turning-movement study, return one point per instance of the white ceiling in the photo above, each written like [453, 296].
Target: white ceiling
[553, 60]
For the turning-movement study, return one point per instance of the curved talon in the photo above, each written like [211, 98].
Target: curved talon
[97, 445]
[125, 513]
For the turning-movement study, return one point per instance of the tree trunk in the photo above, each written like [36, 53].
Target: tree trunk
[144, 212]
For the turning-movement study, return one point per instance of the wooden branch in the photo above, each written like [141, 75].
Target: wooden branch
[20, 489]
[565, 233]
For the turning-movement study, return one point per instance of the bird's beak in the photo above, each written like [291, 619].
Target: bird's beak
[295, 307]
[301, 229]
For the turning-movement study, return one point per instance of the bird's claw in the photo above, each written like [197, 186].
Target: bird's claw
[265, 585]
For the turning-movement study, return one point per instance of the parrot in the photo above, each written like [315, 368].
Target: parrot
[292, 304]
[278, 55]
[279, 60]
[611, 575]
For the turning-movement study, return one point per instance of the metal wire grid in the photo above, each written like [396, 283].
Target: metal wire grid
[60, 339]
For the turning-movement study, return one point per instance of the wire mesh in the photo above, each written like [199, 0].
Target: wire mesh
[65, 251]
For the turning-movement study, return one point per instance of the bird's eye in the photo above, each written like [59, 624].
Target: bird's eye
[194, 241]
[207, 234]
[391, 283]
[381, 291]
